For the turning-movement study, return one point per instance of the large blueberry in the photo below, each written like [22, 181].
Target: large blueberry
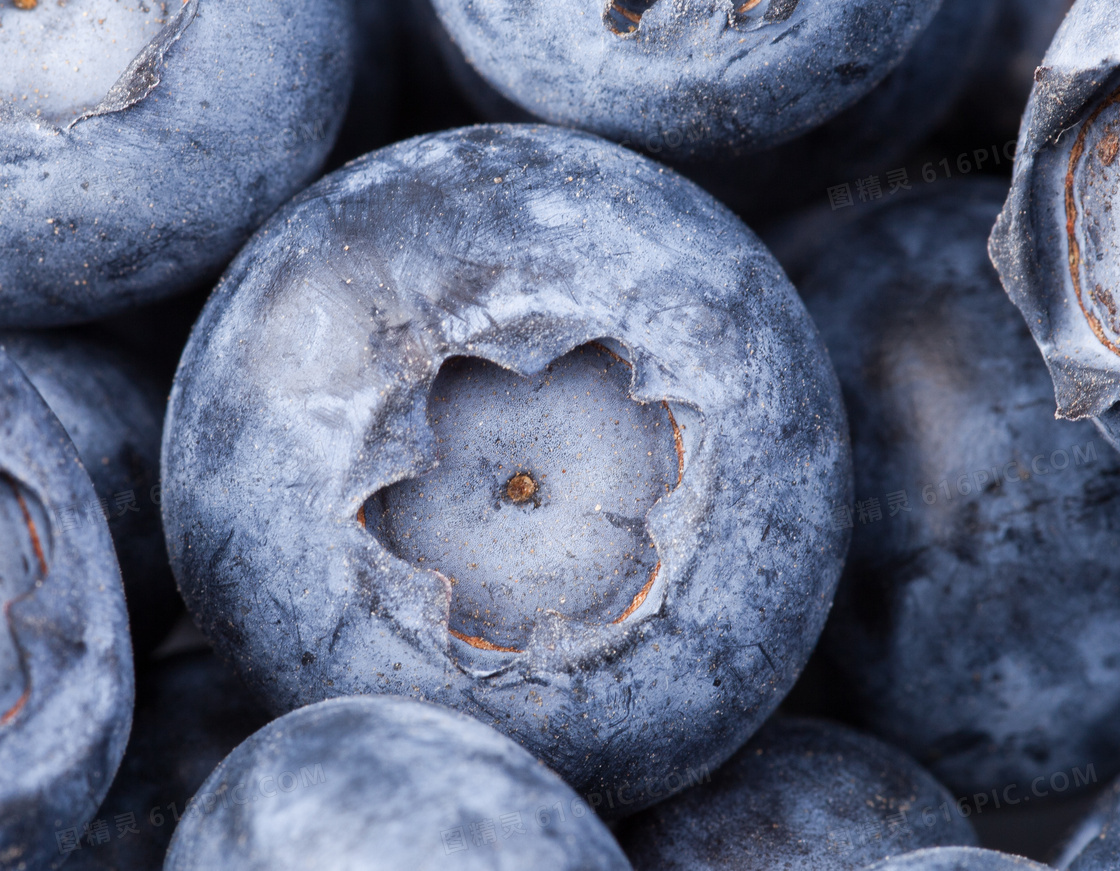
[802, 795]
[977, 616]
[386, 782]
[141, 144]
[720, 76]
[957, 859]
[1057, 242]
[113, 412]
[515, 420]
[1095, 844]
[66, 685]
[191, 711]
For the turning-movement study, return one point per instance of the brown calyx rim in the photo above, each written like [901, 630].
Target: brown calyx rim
[678, 443]
[37, 545]
[1076, 153]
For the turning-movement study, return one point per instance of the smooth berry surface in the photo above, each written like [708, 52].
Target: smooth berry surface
[386, 782]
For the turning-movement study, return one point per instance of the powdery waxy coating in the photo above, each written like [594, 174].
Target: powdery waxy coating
[64, 735]
[191, 712]
[387, 783]
[728, 76]
[304, 389]
[801, 796]
[113, 412]
[958, 859]
[225, 114]
[1057, 242]
[977, 616]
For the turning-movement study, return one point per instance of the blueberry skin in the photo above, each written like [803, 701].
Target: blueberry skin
[802, 794]
[191, 712]
[387, 783]
[1056, 243]
[1096, 843]
[957, 859]
[978, 628]
[514, 244]
[62, 740]
[870, 138]
[113, 412]
[158, 187]
[728, 81]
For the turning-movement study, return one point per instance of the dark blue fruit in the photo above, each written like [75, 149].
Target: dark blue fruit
[113, 412]
[191, 711]
[514, 420]
[802, 795]
[66, 685]
[387, 782]
[143, 143]
[1057, 242]
[715, 77]
[977, 617]
[1095, 844]
[957, 859]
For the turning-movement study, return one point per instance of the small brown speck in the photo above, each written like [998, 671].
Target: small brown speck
[25, 4]
[1108, 148]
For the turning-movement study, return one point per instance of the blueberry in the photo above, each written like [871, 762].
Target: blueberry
[714, 77]
[390, 783]
[184, 127]
[113, 412]
[1057, 240]
[977, 616]
[802, 794]
[1095, 844]
[66, 685]
[191, 711]
[957, 859]
[867, 142]
[517, 421]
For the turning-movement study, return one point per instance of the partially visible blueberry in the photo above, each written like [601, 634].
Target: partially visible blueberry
[723, 77]
[147, 169]
[957, 859]
[1095, 844]
[976, 621]
[515, 420]
[385, 782]
[1057, 242]
[113, 412]
[802, 795]
[191, 711]
[66, 683]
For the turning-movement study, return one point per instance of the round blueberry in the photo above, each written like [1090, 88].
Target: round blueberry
[1057, 242]
[515, 420]
[957, 859]
[66, 684]
[191, 712]
[713, 76]
[156, 139]
[113, 412]
[802, 795]
[977, 617]
[390, 783]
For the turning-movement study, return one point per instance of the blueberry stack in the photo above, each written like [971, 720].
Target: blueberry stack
[410, 458]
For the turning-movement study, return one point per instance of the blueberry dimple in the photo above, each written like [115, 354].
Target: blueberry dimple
[539, 496]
